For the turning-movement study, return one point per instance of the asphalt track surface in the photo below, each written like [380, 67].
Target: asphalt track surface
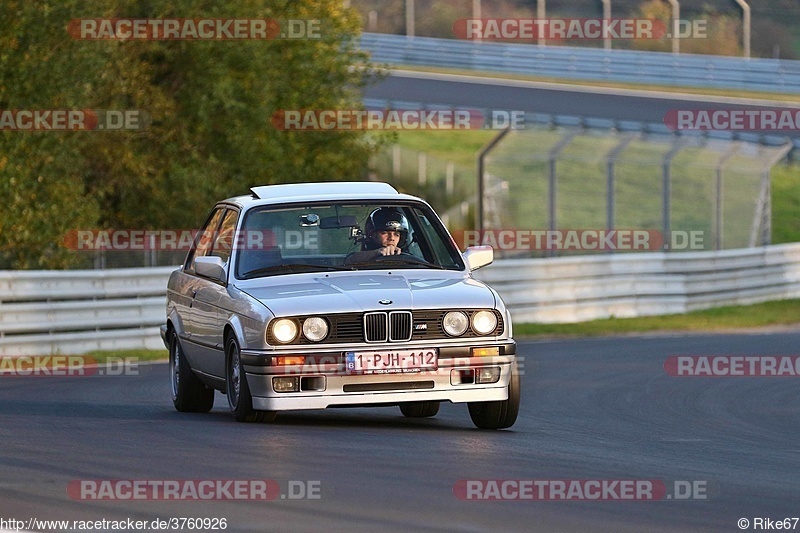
[503, 94]
[591, 409]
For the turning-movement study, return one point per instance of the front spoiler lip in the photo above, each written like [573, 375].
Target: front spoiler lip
[486, 394]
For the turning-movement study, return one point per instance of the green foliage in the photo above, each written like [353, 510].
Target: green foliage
[723, 32]
[210, 104]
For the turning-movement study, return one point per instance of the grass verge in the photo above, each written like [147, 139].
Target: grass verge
[777, 313]
[103, 356]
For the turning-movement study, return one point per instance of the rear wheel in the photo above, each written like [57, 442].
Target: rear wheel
[189, 395]
[419, 409]
[500, 414]
[239, 398]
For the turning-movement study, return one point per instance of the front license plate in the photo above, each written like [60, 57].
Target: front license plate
[392, 362]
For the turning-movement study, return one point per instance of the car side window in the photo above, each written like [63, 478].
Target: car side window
[204, 239]
[223, 243]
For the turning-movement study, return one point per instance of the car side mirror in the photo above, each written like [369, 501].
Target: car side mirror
[211, 267]
[478, 256]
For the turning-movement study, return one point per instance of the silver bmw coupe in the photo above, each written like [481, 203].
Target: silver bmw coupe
[315, 295]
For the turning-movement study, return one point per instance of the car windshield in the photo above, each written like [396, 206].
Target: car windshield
[342, 236]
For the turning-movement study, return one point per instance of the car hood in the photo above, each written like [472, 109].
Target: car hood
[301, 294]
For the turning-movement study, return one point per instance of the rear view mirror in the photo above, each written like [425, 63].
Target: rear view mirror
[210, 267]
[344, 221]
[478, 256]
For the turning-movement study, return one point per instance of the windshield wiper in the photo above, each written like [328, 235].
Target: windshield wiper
[291, 267]
[393, 259]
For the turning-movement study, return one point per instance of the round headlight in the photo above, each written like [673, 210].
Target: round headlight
[315, 328]
[455, 323]
[284, 330]
[484, 322]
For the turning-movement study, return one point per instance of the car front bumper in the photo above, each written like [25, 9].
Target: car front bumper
[329, 385]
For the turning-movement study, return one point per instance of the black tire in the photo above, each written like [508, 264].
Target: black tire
[189, 394]
[419, 409]
[500, 414]
[239, 399]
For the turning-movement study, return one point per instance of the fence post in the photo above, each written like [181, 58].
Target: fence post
[606, 16]
[396, 154]
[552, 181]
[449, 178]
[481, 164]
[409, 18]
[763, 218]
[541, 14]
[676, 17]
[611, 160]
[718, 193]
[666, 190]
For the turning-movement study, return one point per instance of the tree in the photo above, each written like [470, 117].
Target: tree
[723, 32]
[209, 102]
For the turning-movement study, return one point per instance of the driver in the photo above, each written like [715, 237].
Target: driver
[386, 233]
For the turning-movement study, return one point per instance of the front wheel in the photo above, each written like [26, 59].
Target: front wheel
[419, 409]
[499, 414]
[239, 398]
[189, 395]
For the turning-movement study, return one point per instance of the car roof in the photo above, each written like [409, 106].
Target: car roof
[321, 191]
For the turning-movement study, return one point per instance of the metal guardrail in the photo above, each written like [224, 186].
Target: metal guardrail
[72, 312]
[692, 70]
[574, 289]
